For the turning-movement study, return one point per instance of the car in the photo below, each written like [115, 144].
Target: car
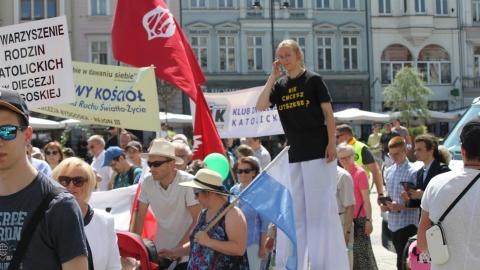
[452, 140]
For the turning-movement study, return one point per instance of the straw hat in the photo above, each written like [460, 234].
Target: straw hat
[207, 180]
[161, 147]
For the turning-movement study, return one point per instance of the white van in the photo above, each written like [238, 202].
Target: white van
[452, 140]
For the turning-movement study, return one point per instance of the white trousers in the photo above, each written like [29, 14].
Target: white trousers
[253, 260]
[319, 232]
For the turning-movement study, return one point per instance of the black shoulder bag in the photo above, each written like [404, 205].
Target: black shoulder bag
[31, 227]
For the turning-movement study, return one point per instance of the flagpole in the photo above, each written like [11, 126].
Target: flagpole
[224, 212]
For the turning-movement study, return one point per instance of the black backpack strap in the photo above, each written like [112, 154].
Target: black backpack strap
[130, 174]
[31, 227]
[458, 198]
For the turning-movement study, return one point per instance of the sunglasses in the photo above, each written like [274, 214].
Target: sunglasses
[48, 153]
[78, 181]
[198, 191]
[246, 171]
[158, 163]
[9, 132]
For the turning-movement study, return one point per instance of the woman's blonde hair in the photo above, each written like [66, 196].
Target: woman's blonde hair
[68, 165]
[295, 47]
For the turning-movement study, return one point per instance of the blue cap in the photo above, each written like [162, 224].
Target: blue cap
[111, 153]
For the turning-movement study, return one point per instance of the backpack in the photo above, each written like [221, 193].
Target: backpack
[143, 250]
[130, 172]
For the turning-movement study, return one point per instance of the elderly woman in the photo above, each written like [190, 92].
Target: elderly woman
[53, 154]
[224, 245]
[257, 226]
[79, 179]
[363, 257]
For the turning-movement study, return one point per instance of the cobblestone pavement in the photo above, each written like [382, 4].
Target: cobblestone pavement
[386, 260]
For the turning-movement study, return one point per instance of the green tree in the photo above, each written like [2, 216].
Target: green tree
[166, 93]
[409, 96]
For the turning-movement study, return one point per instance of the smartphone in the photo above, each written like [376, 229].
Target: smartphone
[384, 200]
[407, 185]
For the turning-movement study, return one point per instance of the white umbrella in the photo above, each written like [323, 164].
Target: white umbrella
[39, 124]
[359, 116]
[436, 116]
[175, 118]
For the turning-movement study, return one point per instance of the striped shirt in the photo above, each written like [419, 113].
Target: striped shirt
[395, 174]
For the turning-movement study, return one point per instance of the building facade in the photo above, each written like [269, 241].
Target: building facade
[235, 41]
[422, 34]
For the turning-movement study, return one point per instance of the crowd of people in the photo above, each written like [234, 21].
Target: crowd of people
[200, 222]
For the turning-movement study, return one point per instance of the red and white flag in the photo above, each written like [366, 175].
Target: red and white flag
[205, 135]
[145, 33]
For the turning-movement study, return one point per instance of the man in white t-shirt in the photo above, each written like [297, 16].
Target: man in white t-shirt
[461, 223]
[96, 145]
[174, 206]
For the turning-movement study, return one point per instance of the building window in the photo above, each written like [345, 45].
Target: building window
[324, 51]
[476, 11]
[250, 3]
[434, 63]
[350, 53]
[323, 3]
[420, 6]
[227, 53]
[99, 52]
[476, 61]
[38, 9]
[200, 48]
[394, 58]
[348, 4]
[225, 3]
[384, 7]
[254, 53]
[296, 3]
[98, 7]
[442, 7]
[301, 41]
[197, 3]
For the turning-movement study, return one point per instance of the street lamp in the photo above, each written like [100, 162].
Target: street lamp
[257, 5]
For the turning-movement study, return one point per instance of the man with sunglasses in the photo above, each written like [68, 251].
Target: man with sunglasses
[363, 156]
[126, 173]
[175, 207]
[59, 240]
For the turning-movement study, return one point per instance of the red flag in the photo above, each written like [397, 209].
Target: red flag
[145, 33]
[205, 135]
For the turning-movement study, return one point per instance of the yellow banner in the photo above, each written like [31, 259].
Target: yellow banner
[116, 96]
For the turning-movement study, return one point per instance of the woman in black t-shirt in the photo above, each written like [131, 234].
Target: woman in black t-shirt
[305, 109]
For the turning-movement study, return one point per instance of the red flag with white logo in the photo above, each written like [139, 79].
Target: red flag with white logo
[145, 33]
[205, 136]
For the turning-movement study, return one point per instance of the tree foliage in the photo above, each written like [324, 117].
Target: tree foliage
[166, 93]
[409, 96]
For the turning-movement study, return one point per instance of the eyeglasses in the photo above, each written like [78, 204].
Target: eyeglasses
[158, 163]
[339, 135]
[78, 181]
[246, 171]
[287, 55]
[48, 153]
[198, 191]
[9, 132]
[393, 155]
[344, 158]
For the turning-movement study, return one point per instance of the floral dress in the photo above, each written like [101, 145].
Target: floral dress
[205, 258]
